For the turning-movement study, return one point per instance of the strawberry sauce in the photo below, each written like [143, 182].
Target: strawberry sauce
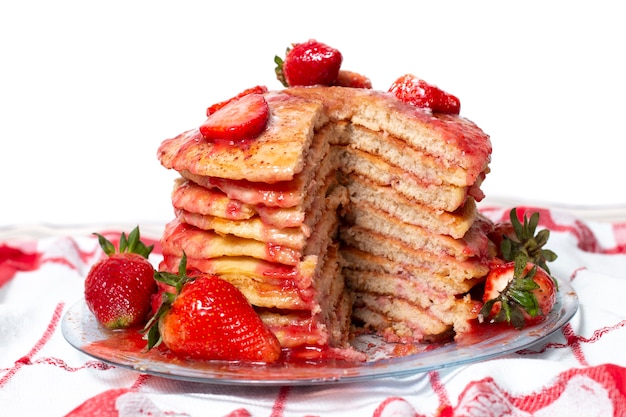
[130, 343]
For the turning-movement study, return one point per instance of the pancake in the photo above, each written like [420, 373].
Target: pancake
[352, 211]
[471, 244]
[393, 151]
[455, 223]
[366, 263]
[453, 140]
[191, 197]
[441, 197]
[270, 158]
[398, 320]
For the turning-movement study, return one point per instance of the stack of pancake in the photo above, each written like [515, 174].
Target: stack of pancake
[261, 214]
[351, 208]
[412, 242]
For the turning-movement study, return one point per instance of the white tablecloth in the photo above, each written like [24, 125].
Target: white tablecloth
[579, 370]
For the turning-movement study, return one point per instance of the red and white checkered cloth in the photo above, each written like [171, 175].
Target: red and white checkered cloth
[579, 370]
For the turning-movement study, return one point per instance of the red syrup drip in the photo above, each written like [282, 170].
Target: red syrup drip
[233, 209]
[483, 331]
[130, 343]
[223, 145]
[278, 194]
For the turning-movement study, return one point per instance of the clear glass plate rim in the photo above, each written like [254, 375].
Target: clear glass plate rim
[78, 327]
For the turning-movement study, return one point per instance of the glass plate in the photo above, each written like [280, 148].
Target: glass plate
[125, 349]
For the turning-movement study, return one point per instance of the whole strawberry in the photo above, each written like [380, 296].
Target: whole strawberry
[518, 236]
[119, 287]
[419, 93]
[309, 63]
[208, 318]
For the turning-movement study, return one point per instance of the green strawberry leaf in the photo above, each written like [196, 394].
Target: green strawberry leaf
[130, 244]
[105, 244]
[151, 329]
[527, 242]
[280, 75]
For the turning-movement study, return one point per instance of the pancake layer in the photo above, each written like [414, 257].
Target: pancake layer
[352, 211]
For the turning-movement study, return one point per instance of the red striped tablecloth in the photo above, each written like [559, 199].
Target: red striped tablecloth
[579, 370]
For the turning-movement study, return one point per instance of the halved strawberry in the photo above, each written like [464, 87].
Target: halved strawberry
[308, 63]
[352, 79]
[119, 288]
[519, 293]
[259, 89]
[208, 318]
[419, 93]
[243, 118]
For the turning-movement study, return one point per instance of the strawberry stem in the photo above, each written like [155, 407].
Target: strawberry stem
[151, 329]
[526, 242]
[130, 244]
[105, 244]
[280, 74]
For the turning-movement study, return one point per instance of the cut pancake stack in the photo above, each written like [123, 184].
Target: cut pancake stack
[352, 207]
[262, 215]
[412, 242]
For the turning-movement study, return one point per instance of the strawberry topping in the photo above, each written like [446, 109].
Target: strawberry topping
[259, 89]
[242, 118]
[419, 93]
[309, 63]
[352, 79]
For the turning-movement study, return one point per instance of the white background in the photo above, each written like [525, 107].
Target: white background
[88, 90]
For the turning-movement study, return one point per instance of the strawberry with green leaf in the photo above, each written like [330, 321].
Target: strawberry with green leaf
[308, 63]
[518, 293]
[208, 318]
[118, 288]
[520, 236]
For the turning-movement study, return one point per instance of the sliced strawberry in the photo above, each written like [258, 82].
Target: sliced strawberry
[419, 93]
[210, 319]
[308, 63]
[519, 293]
[259, 89]
[243, 118]
[119, 288]
[352, 79]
